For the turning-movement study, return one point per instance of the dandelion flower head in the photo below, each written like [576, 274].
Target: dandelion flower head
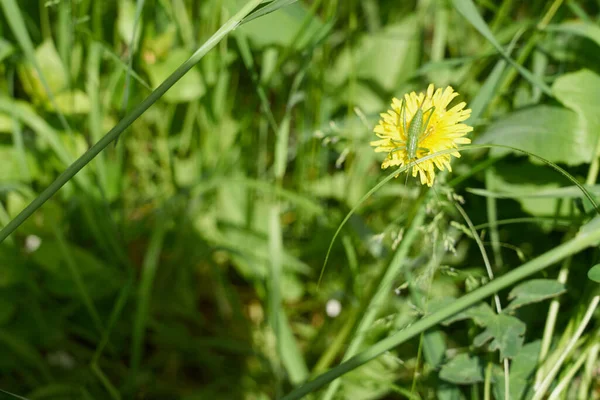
[444, 131]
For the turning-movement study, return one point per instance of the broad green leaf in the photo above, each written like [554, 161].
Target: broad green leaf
[448, 392]
[6, 49]
[594, 273]
[533, 291]
[15, 202]
[287, 22]
[186, 170]
[159, 45]
[528, 188]
[481, 314]
[580, 28]
[371, 381]
[551, 132]
[46, 133]
[10, 167]
[291, 354]
[462, 370]
[395, 48]
[580, 91]
[190, 86]
[506, 334]
[126, 22]
[363, 97]
[71, 102]
[51, 67]
[522, 369]
[6, 123]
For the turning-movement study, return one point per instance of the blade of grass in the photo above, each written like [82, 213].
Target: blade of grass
[89, 155]
[114, 393]
[469, 11]
[139, 6]
[144, 296]
[490, 272]
[114, 316]
[17, 134]
[383, 290]
[109, 52]
[288, 351]
[588, 236]
[246, 54]
[269, 8]
[549, 378]
[13, 395]
[589, 374]
[95, 114]
[78, 280]
[275, 306]
[566, 380]
[26, 352]
[489, 89]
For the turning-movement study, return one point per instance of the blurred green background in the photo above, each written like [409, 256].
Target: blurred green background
[183, 261]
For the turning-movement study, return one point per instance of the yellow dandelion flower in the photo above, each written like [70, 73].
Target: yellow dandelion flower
[441, 129]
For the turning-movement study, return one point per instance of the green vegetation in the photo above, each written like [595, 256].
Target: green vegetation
[191, 209]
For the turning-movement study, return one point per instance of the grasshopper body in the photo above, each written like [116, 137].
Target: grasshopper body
[415, 131]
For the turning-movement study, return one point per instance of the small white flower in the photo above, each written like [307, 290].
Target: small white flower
[333, 308]
[32, 243]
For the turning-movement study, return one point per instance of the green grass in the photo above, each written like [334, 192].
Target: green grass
[186, 188]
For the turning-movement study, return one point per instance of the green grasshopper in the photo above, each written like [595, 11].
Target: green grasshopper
[415, 132]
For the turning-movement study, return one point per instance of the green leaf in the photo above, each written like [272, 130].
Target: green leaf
[391, 67]
[371, 381]
[190, 86]
[522, 369]
[186, 170]
[533, 190]
[553, 133]
[462, 370]
[126, 22]
[287, 22]
[11, 169]
[291, 353]
[71, 102]
[506, 334]
[579, 28]
[481, 314]
[580, 91]
[6, 49]
[594, 273]
[6, 123]
[52, 68]
[534, 291]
